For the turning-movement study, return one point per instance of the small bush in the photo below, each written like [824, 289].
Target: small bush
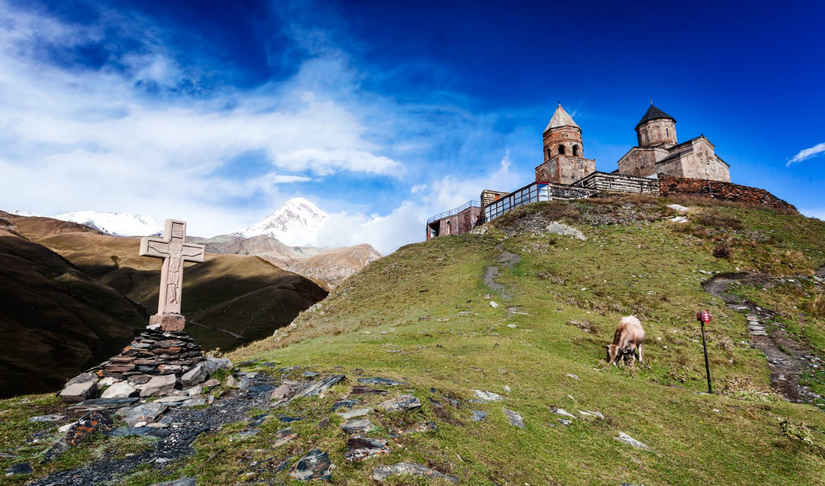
[816, 306]
[713, 218]
[798, 431]
[743, 388]
[722, 250]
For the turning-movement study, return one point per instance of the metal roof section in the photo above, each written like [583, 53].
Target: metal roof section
[561, 119]
[654, 113]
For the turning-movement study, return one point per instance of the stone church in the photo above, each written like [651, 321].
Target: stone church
[657, 152]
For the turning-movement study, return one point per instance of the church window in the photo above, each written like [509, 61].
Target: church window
[575, 150]
[667, 132]
[449, 227]
[549, 155]
[561, 149]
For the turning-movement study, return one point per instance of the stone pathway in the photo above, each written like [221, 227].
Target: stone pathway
[786, 357]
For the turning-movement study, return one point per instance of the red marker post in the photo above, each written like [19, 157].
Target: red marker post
[704, 318]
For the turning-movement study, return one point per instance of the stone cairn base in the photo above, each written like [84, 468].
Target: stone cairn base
[153, 353]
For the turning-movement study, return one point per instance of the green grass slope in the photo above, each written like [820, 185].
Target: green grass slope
[420, 315]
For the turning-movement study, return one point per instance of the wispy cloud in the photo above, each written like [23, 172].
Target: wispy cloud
[807, 154]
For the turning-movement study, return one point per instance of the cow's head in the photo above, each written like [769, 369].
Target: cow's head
[612, 353]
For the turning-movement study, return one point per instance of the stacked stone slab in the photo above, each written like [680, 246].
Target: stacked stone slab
[154, 353]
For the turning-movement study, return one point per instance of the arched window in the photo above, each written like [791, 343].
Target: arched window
[561, 149]
[575, 150]
[549, 155]
[449, 227]
[667, 132]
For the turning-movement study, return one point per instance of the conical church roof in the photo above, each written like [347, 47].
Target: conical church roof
[654, 113]
[561, 119]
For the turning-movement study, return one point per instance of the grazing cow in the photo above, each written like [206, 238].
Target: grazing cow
[629, 336]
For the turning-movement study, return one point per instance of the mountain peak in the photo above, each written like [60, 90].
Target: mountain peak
[118, 224]
[296, 223]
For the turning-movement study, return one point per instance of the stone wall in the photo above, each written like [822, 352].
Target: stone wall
[721, 191]
[603, 181]
[641, 161]
[488, 196]
[457, 224]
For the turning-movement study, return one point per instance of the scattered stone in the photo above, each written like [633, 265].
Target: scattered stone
[507, 389]
[99, 404]
[678, 207]
[46, 418]
[157, 385]
[591, 414]
[493, 304]
[197, 374]
[404, 402]
[382, 473]
[230, 382]
[562, 412]
[357, 426]
[514, 418]
[81, 378]
[142, 413]
[565, 421]
[365, 390]
[119, 390]
[345, 404]
[194, 402]
[211, 383]
[360, 448]
[630, 441]
[512, 326]
[488, 396]
[562, 229]
[79, 431]
[420, 428]
[108, 381]
[379, 381]
[78, 392]
[571, 375]
[323, 423]
[19, 469]
[136, 431]
[287, 419]
[478, 416]
[355, 412]
[211, 365]
[179, 482]
[312, 467]
[284, 436]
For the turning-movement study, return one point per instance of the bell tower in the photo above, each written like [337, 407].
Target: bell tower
[564, 161]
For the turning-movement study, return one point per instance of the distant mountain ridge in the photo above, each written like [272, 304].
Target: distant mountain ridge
[117, 224]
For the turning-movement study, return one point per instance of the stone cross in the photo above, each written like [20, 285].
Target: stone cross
[174, 250]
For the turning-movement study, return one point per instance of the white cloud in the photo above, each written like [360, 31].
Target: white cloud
[807, 154]
[814, 213]
[418, 188]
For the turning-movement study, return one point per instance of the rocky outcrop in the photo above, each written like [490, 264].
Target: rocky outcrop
[721, 191]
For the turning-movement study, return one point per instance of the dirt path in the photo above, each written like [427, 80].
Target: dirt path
[787, 358]
[505, 259]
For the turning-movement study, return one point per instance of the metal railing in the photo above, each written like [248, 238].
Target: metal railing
[453, 212]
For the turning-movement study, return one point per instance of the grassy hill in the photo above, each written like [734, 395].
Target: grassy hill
[425, 316]
[421, 316]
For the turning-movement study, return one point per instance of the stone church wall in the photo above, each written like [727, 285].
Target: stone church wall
[563, 169]
[721, 191]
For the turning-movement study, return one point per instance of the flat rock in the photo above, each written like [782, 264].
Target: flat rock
[98, 404]
[382, 473]
[46, 418]
[488, 396]
[562, 412]
[81, 378]
[284, 436]
[78, 432]
[514, 418]
[357, 426]
[378, 381]
[360, 448]
[194, 402]
[345, 404]
[179, 482]
[197, 374]
[312, 467]
[142, 413]
[19, 469]
[172, 401]
[564, 230]
[591, 414]
[157, 385]
[78, 392]
[120, 390]
[420, 428]
[478, 416]
[630, 441]
[365, 390]
[211, 365]
[355, 412]
[404, 402]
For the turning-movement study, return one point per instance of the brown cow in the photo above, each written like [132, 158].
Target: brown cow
[629, 336]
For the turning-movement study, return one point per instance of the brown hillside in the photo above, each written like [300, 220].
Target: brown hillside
[55, 320]
[332, 267]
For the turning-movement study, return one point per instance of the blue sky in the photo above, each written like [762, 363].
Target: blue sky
[384, 113]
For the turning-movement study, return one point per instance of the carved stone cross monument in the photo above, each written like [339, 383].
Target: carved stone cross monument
[174, 250]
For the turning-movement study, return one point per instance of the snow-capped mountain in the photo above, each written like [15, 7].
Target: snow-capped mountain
[119, 224]
[296, 223]
[17, 212]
